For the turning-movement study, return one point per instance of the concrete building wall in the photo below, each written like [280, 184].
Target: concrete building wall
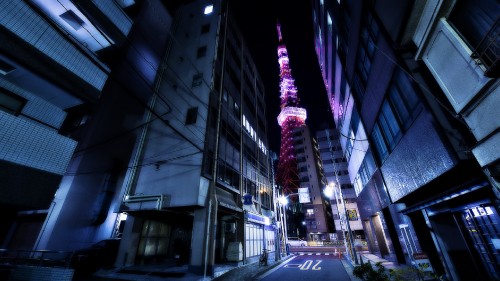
[424, 45]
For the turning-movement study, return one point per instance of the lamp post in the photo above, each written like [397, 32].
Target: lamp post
[283, 201]
[330, 191]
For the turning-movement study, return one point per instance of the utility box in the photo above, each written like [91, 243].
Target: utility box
[234, 251]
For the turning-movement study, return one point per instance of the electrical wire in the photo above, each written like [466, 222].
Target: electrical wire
[169, 108]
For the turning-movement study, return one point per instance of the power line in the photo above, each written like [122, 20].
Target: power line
[169, 108]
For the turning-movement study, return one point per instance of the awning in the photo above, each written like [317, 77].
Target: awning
[443, 198]
[226, 199]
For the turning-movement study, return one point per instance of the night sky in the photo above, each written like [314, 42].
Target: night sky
[257, 20]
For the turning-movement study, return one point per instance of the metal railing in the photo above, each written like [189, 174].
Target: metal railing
[43, 258]
[487, 52]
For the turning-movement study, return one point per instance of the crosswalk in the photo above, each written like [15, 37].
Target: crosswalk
[314, 254]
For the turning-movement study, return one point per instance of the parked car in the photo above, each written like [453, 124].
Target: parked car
[101, 254]
[296, 242]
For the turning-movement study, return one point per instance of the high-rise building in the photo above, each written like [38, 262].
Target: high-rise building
[318, 215]
[412, 90]
[151, 118]
[208, 182]
[337, 175]
[298, 173]
[74, 76]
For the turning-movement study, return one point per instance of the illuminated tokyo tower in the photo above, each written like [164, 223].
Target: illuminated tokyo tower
[291, 116]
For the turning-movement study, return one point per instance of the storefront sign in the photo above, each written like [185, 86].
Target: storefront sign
[422, 262]
[257, 218]
[247, 199]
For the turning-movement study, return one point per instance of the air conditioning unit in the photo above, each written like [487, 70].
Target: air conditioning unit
[230, 227]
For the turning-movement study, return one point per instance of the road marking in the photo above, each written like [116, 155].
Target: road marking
[274, 269]
[316, 267]
[293, 265]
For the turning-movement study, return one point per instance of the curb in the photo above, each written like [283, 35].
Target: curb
[270, 267]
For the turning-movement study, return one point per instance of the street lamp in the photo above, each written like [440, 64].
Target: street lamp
[283, 201]
[331, 192]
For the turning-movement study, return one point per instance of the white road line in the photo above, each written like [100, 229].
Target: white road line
[274, 269]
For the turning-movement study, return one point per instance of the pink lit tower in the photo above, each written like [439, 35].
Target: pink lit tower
[291, 116]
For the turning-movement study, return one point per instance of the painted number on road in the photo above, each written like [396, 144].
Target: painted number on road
[308, 263]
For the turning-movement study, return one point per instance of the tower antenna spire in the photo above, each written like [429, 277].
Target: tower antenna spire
[278, 26]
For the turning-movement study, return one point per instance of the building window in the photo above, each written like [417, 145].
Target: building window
[202, 51]
[197, 80]
[379, 142]
[366, 52]
[367, 168]
[192, 115]
[11, 103]
[473, 18]
[205, 28]
[354, 121]
[72, 19]
[349, 144]
[389, 125]
[398, 111]
[5, 67]
[403, 98]
[478, 24]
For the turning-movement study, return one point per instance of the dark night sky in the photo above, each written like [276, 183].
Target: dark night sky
[257, 20]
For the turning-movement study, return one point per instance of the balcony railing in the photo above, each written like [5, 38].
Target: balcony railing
[35, 258]
[487, 52]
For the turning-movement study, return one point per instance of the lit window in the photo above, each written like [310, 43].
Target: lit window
[208, 9]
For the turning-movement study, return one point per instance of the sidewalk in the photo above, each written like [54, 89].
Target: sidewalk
[228, 272]
[373, 259]
[223, 272]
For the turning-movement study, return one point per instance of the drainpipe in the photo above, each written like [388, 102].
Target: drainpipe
[213, 203]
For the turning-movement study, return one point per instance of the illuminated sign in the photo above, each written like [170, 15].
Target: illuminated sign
[257, 218]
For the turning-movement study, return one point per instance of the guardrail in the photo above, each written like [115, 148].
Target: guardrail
[43, 258]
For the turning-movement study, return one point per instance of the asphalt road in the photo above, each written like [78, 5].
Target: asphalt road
[309, 268]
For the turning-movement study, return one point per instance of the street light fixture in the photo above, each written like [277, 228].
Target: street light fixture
[331, 192]
[283, 201]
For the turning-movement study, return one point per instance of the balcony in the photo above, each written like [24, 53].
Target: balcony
[449, 59]
[487, 53]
